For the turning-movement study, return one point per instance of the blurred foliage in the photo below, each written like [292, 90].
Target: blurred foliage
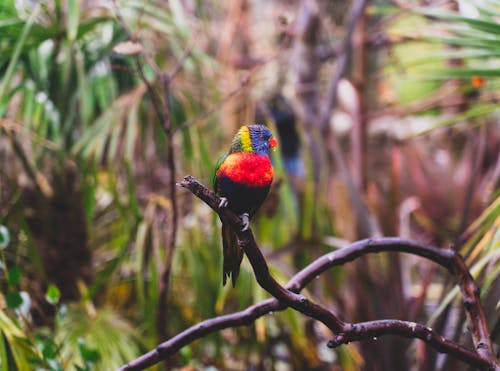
[79, 127]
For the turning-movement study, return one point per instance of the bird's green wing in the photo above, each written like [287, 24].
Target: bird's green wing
[214, 179]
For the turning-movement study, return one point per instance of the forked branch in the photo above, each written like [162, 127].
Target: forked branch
[481, 358]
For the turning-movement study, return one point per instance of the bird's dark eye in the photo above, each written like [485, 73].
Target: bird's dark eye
[261, 137]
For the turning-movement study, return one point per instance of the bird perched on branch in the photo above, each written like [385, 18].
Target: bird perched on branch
[242, 180]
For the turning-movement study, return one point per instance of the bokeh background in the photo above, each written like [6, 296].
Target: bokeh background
[387, 115]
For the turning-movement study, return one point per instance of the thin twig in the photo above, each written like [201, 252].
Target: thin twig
[180, 62]
[161, 309]
[243, 85]
[161, 312]
[162, 108]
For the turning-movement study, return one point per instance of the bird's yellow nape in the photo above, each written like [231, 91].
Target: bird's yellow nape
[246, 142]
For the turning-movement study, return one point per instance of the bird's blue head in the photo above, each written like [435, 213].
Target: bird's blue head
[253, 139]
[261, 138]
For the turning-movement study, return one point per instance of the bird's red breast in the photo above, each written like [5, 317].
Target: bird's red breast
[248, 169]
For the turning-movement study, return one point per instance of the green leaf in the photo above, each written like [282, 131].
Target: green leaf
[466, 72]
[14, 299]
[50, 349]
[472, 113]
[73, 19]
[483, 25]
[3, 354]
[53, 294]
[186, 355]
[187, 144]
[13, 63]
[488, 216]
[89, 355]
[14, 276]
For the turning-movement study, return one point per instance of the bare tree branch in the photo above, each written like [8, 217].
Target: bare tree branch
[482, 358]
[373, 329]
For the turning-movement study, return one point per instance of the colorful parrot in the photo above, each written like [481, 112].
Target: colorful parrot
[242, 180]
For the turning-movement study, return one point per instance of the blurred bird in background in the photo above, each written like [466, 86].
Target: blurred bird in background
[280, 111]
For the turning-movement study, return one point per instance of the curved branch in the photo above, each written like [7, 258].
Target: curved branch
[373, 329]
[172, 345]
[266, 281]
[449, 259]
[349, 332]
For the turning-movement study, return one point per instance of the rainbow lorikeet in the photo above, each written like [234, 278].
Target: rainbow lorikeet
[242, 180]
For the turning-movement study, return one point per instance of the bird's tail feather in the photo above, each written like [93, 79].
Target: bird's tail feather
[232, 254]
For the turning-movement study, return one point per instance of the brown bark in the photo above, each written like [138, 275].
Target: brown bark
[58, 226]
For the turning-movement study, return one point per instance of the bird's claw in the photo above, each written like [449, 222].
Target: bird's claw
[223, 202]
[245, 218]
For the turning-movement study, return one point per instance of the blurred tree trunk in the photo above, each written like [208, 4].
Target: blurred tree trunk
[57, 222]
[305, 68]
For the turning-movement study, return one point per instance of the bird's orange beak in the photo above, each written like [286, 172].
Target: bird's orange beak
[273, 143]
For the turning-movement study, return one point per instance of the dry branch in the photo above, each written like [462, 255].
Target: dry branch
[482, 358]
